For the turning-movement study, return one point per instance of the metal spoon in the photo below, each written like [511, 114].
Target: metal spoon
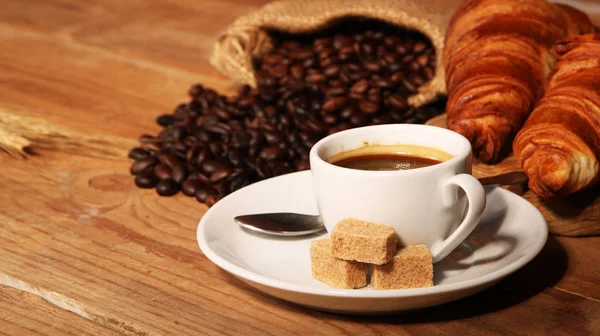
[294, 224]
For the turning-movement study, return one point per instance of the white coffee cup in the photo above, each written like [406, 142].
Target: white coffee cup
[424, 205]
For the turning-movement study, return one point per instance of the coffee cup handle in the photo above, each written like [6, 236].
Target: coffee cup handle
[476, 197]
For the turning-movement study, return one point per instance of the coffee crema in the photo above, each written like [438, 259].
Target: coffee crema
[389, 157]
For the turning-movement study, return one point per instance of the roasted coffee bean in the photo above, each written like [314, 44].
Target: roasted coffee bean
[334, 91]
[334, 104]
[360, 87]
[418, 80]
[142, 164]
[220, 174]
[271, 153]
[330, 119]
[162, 171]
[202, 193]
[167, 187]
[168, 159]
[384, 83]
[315, 127]
[179, 173]
[211, 166]
[138, 153]
[190, 186]
[303, 165]
[397, 77]
[165, 120]
[359, 119]
[368, 107]
[410, 86]
[422, 60]
[332, 71]
[419, 46]
[196, 91]
[145, 180]
[396, 101]
[373, 67]
[347, 112]
[429, 72]
[211, 200]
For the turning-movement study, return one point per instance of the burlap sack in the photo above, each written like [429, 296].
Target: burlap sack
[247, 38]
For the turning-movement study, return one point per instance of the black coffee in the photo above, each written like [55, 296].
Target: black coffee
[386, 162]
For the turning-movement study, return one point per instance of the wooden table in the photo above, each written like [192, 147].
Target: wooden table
[83, 251]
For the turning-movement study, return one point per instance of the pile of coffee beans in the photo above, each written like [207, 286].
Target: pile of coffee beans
[308, 87]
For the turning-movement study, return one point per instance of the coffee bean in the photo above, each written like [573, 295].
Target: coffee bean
[396, 101]
[392, 41]
[419, 46]
[165, 120]
[330, 119]
[162, 171]
[303, 165]
[384, 83]
[211, 200]
[167, 187]
[422, 60]
[142, 164]
[138, 153]
[341, 41]
[410, 86]
[418, 80]
[360, 87]
[332, 71]
[211, 166]
[373, 67]
[202, 193]
[347, 53]
[179, 173]
[397, 77]
[332, 92]
[315, 78]
[368, 107]
[145, 180]
[196, 91]
[168, 159]
[334, 104]
[359, 119]
[347, 112]
[414, 66]
[190, 186]
[381, 119]
[220, 174]
[401, 49]
[271, 153]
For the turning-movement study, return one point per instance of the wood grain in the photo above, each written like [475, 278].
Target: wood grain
[22, 313]
[576, 216]
[77, 234]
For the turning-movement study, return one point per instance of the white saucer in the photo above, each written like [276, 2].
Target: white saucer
[511, 233]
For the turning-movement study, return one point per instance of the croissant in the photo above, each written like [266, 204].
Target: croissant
[559, 145]
[497, 61]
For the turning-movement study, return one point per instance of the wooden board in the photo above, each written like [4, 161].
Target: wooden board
[79, 82]
[22, 313]
[576, 216]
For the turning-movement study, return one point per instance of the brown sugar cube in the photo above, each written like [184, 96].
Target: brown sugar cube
[411, 267]
[364, 241]
[335, 272]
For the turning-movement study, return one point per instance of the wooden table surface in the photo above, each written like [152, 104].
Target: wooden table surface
[83, 251]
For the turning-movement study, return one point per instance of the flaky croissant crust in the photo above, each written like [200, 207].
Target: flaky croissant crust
[497, 61]
[559, 145]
